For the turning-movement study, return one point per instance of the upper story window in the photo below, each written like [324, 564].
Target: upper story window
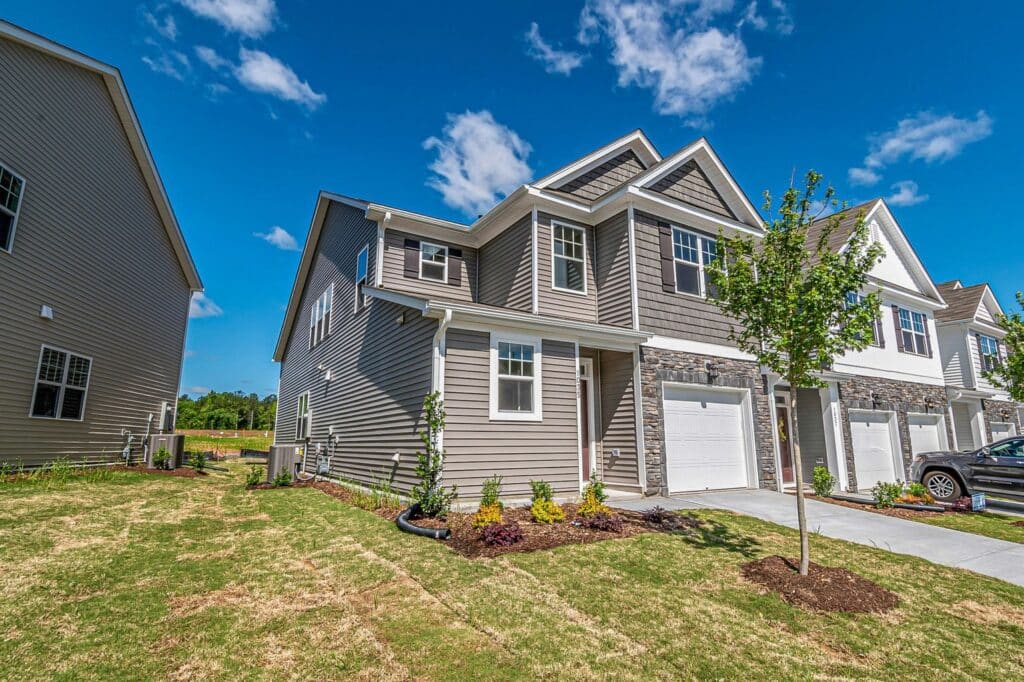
[11, 187]
[303, 418]
[515, 378]
[877, 336]
[988, 347]
[568, 267]
[912, 332]
[320, 317]
[62, 382]
[691, 253]
[362, 265]
[433, 262]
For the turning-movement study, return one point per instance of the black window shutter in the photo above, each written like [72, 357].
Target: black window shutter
[899, 329]
[668, 270]
[412, 258]
[879, 333]
[455, 267]
[927, 336]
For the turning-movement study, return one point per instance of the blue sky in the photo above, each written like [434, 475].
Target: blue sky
[251, 107]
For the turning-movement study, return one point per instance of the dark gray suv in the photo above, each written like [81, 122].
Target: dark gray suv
[997, 469]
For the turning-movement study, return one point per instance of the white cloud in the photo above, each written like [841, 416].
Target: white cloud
[751, 16]
[201, 390]
[211, 58]
[668, 47]
[260, 72]
[279, 237]
[922, 137]
[784, 21]
[554, 59]
[166, 27]
[251, 18]
[173, 63]
[906, 194]
[190, 353]
[203, 306]
[479, 161]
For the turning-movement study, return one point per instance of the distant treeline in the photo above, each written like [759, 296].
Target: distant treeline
[227, 411]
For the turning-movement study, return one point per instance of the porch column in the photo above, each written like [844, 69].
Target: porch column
[834, 433]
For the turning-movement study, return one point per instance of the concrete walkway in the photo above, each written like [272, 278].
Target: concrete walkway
[996, 558]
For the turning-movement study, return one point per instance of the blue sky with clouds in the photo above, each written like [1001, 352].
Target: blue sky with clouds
[252, 106]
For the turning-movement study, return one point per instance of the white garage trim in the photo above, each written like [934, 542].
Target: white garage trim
[899, 471]
[917, 420]
[746, 422]
[1001, 430]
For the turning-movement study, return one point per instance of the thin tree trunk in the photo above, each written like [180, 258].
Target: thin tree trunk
[798, 472]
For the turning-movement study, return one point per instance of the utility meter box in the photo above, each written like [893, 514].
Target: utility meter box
[174, 443]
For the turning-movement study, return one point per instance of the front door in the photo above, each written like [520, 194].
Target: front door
[785, 429]
[586, 418]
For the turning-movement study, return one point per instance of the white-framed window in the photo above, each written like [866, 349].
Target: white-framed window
[362, 267]
[11, 188]
[855, 299]
[692, 253]
[515, 377]
[62, 383]
[913, 328]
[433, 262]
[988, 348]
[568, 258]
[303, 418]
[320, 317]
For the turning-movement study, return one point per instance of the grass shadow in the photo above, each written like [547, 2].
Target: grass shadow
[708, 534]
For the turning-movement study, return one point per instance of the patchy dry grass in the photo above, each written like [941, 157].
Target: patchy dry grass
[160, 578]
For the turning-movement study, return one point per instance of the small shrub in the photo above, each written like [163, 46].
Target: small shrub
[6, 471]
[823, 482]
[161, 458]
[604, 521]
[254, 477]
[591, 504]
[282, 478]
[432, 497]
[502, 534]
[658, 516]
[541, 490]
[490, 493]
[546, 511]
[596, 487]
[489, 514]
[197, 460]
[886, 494]
[383, 496]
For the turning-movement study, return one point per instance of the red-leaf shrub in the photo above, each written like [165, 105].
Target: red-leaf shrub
[603, 521]
[502, 534]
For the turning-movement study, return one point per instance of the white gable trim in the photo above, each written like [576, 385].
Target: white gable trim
[989, 300]
[880, 212]
[635, 140]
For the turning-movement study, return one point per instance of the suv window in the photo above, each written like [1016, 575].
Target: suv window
[1011, 448]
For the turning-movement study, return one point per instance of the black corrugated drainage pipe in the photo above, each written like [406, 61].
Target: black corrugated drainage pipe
[403, 524]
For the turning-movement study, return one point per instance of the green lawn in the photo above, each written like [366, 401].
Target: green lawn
[153, 578]
[227, 443]
[999, 526]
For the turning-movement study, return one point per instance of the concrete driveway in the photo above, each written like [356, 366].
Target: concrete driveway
[996, 558]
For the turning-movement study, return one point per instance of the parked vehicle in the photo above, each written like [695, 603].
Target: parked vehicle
[997, 469]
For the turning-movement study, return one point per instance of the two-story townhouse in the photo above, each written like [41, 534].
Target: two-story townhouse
[95, 272]
[971, 342]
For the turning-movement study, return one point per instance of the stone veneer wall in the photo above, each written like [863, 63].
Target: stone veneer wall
[1000, 411]
[900, 397]
[658, 365]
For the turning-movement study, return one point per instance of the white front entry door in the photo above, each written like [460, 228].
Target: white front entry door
[926, 433]
[873, 447]
[706, 444]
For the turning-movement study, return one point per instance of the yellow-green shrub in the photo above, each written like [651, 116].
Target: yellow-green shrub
[546, 511]
[488, 514]
[591, 504]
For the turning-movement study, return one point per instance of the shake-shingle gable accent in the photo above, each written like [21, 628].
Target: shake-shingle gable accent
[689, 184]
[604, 178]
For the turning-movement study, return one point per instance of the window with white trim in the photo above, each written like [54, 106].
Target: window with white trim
[568, 258]
[62, 382]
[515, 378]
[362, 266]
[320, 317]
[433, 262]
[11, 187]
[303, 418]
[988, 347]
[912, 328]
[692, 254]
[855, 299]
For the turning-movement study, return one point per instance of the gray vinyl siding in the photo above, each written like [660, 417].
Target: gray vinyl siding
[90, 243]
[811, 428]
[394, 270]
[600, 180]
[689, 184]
[611, 271]
[379, 357]
[564, 304]
[671, 314]
[618, 418]
[477, 448]
[506, 267]
[955, 358]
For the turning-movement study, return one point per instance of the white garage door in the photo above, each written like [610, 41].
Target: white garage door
[705, 439]
[1001, 430]
[872, 447]
[925, 433]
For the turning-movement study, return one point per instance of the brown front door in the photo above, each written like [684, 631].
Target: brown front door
[585, 425]
[785, 442]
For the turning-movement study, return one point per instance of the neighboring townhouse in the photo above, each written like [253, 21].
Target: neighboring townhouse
[971, 342]
[96, 275]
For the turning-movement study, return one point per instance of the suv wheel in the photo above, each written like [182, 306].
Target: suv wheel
[942, 485]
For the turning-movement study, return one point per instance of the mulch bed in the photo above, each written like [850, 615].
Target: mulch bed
[825, 588]
[898, 513]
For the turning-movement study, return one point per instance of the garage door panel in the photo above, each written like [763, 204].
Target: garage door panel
[705, 440]
[925, 433]
[872, 448]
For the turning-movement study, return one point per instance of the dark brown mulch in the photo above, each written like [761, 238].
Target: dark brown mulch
[898, 513]
[1019, 523]
[825, 588]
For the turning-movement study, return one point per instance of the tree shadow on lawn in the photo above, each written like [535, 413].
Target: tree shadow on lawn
[710, 534]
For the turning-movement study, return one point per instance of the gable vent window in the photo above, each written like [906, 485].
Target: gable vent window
[912, 334]
[320, 317]
[989, 349]
[303, 418]
[61, 385]
[362, 264]
[569, 247]
[11, 187]
[433, 262]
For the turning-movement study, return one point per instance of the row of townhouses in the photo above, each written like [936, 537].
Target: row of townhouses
[570, 333]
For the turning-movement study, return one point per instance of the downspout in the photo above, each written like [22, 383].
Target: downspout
[534, 301]
[437, 374]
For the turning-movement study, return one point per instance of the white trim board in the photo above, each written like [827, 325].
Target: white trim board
[712, 350]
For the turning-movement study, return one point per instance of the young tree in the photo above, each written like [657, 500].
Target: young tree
[788, 297]
[1008, 374]
[433, 498]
